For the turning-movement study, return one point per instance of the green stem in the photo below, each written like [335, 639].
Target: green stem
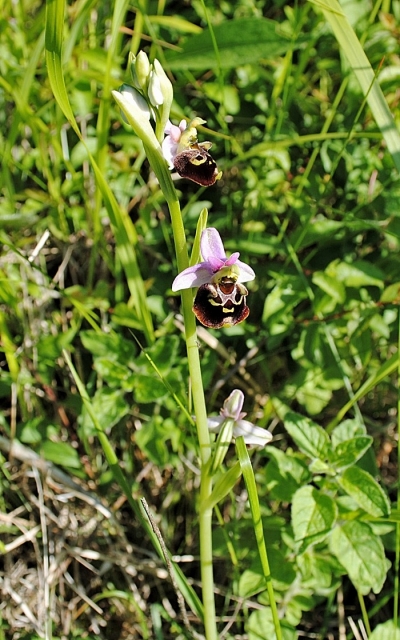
[205, 516]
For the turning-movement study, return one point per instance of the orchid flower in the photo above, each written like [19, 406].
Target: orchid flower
[189, 157]
[221, 298]
[232, 411]
[215, 264]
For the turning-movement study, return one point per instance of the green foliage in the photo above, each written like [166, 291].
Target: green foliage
[310, 196]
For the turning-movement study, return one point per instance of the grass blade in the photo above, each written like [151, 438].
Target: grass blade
[364, 73]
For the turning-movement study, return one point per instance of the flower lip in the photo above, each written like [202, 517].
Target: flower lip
[214, 265]
[187, 156]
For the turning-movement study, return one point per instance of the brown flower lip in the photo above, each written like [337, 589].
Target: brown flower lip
[221, 304]
[196, 164]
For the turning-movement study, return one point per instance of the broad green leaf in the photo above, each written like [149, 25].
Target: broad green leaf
[386, 631]
[116, 374]
[282, 570]
[357, 274]
[108, 345]
[284, 474]
[60, 453]
[242, 41]
[153, 437]
[348, 452]
[391, 293]
[347, 430]
[309, 436]
[313, 515]
[109, 406]
[329, 285]
[315, 570]
[260, 626]
[160, 356]
[365, 490]
[148, 388]
[362, 555]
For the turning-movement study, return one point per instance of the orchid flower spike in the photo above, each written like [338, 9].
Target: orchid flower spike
[150, 96]
[187, 156]
[221, 298]
[232, 411]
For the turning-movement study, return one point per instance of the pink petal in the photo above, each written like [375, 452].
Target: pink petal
[211, 245]
[194, 276]
[233, 405]
[232, 259]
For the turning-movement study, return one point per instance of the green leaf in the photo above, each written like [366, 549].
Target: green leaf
[108, 345]
[313, 515]
[329, 285]
[348, 452]
[153, 437]
[362, 555]
[347, 430]
[282, 571]
[284, 474]
[162, 354]
[309, 437]
[223, 486]
[357, 274]
[386, 631]
[148, 388]
[242, 41]
[109, 407]
[60, 453]
[362, 69]
[365, 490]
[260, 626]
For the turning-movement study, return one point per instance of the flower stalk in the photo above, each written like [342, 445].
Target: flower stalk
[152, 95]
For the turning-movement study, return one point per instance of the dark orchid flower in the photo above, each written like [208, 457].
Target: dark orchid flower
[221, 297]
[187, 156]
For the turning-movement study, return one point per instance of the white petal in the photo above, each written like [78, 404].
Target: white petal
[214, 423]
[246, 272]
[254, 436]
[154, 91]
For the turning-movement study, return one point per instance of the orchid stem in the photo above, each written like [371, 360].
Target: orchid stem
[205, 516]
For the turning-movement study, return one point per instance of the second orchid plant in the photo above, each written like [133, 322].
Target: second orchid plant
[220, 298]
